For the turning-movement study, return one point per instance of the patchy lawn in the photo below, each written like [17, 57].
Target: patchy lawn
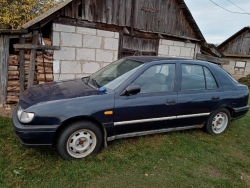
[180, 159]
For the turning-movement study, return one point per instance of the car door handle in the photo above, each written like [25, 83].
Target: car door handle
[170, 102]
[215, 98]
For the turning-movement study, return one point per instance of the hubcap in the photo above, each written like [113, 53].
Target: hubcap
[219, 123]
[81, 143]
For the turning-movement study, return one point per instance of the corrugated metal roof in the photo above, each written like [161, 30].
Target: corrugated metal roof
[45, 15]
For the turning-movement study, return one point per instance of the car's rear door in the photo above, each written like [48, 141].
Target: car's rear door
[154, 108]
[199, 94]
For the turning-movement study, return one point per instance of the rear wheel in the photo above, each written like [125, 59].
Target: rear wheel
[79, 140]
[218, 121]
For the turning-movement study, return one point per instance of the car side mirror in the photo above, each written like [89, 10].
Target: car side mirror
[131, 90]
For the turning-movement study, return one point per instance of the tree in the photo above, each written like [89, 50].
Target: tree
[14, 13]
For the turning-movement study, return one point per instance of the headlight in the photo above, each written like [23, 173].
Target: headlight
[24, 117]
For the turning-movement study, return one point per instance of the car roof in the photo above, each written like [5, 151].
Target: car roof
[148, 59]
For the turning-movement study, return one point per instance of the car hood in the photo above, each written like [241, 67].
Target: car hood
[59, 90]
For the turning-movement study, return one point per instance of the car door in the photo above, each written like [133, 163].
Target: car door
[154, 108]
[199, 94]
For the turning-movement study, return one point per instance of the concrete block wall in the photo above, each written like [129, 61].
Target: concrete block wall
[237, 72]
[170, 48]
[83, 51]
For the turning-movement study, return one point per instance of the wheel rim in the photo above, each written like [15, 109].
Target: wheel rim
[219, 123]
[81, 143]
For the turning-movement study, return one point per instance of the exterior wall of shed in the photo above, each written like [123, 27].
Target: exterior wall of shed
[237, 72]
[83, 51]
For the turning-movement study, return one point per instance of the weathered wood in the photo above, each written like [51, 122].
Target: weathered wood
[211, 59]
[237, 55]
[4, 58]
[10, 31]
[32, 60]
[36, 47]
[40, 59]
[21, 64]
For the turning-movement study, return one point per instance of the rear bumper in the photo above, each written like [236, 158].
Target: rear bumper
[240, 112]
[34, 135]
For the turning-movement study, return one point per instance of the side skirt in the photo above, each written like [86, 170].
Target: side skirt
[151, 132]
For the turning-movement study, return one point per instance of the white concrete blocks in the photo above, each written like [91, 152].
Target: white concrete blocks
[56, 66]
[163, 49]
[64, 28]
[167, 42]
[178, 43]
[104, 55]
[185, 52]
[91, 41]
[65, 53]
[90, 67]
[108, 34]
[56, 38]
[174, 51]
[85, 54]
[70, 67]
[71, 39]
[111, 44]
[85, 31]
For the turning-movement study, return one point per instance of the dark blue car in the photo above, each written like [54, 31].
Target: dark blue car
[131, 97]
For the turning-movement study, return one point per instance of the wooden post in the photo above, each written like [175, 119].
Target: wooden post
[4, 58]
[32, 60]
[21, 65]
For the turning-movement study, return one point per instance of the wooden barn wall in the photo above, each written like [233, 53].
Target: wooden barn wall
[169, 20]
[240, 45]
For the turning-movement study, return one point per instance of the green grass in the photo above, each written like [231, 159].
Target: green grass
[179, 159]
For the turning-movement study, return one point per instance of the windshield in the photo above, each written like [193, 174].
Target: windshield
[114, 74]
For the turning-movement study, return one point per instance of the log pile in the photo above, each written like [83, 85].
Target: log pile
[43, 70]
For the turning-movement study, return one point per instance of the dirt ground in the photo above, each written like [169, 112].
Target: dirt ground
[6, 110]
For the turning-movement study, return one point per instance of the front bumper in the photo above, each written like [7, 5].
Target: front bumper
[240, 112]
[33, 135]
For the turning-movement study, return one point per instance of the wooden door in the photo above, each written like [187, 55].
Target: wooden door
[137, 46]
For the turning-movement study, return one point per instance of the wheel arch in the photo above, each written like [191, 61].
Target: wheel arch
[80, 118]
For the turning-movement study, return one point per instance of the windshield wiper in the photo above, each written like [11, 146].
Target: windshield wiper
[96, 84]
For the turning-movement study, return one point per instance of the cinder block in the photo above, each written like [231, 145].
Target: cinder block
[65, 53]
[167, 42]
[104, 55]
[90, 67]
[178, 43]
[115, 56]
[64, 28]
[117, 35]
[66, 76]
[81, 75]
[56, 38]
[111, 44]
[190, 45]
[174, 51]
[163, 49]
[102, 33]
[70, 67]
[71, 39]
[85, 54]
[86, 31]
[56, 66]
[185, 52]
[56, 77]
[91, 41]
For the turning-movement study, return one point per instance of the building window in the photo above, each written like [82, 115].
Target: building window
[240, 64]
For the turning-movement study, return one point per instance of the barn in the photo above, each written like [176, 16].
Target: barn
[236, 50]
[87, 35]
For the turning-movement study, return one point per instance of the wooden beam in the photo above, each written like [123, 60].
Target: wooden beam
[212, 59]
[10, 31]
[237, 55]
[4, 57]
[32, 60]
[21, 65]
[35, 47]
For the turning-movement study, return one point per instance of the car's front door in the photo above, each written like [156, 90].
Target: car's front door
[154, 108]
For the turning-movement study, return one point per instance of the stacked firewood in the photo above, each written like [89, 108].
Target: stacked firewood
[43, 70]
[13, 80]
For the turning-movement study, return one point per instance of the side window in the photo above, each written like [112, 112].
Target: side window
[158, 78]
[192, 77]
[211, 83]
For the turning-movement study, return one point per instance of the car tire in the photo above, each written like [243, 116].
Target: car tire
[218, 121]
[79, 139]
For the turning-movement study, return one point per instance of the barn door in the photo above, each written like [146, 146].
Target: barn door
[137, 46]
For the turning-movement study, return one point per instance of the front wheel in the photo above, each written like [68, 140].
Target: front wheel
[79, 139]
[218, 121]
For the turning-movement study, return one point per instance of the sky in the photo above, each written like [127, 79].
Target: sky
[215, 23]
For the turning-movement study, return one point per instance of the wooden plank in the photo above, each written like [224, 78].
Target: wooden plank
[211, 59]
[236, 55]
[4, 58]
[21, 65]
[32, 60]
[10, 31]
[36, 47]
